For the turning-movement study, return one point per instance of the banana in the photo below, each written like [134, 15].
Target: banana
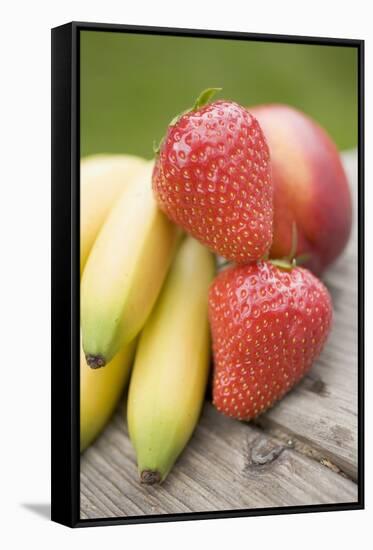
[125, 271]
[171, 366]
[100, 392]
[102, 179]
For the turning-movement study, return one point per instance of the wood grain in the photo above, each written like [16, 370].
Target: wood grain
[303, 451]
[226, 466]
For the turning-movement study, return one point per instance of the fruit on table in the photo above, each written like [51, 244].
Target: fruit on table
[102, 179]
[268, 325]
[100, 391]
[171, 366]
[125, 271]
[212, 177]
[310, 186]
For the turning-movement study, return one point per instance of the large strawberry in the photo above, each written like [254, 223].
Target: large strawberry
[213, 177]
[268, 325]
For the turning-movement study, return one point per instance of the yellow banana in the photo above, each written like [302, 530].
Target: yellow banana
[102, 179]
[125, 271]
[171, 366]
[100, 391]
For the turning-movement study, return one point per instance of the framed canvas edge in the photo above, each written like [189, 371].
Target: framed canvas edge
[65, 224]
[65, 206]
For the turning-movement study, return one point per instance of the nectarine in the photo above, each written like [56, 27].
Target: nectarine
[310, 185]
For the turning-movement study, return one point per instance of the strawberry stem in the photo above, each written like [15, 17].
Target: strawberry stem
[288, 262]
[283, 264]
[203, 98]
[294, 241]
[303, 258]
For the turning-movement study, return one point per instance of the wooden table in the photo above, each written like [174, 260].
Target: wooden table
[303, 451]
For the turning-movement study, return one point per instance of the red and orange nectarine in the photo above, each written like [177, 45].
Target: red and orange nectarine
[311, 187]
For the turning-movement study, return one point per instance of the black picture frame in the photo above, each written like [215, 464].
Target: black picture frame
[65, 223]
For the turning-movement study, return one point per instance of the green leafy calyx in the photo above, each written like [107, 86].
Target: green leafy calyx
[204, 97]
[290, 261]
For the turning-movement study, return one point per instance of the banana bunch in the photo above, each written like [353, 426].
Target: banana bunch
[141, 281]
[125, 270]
[102, 179]
[100, 391]
[171, 366]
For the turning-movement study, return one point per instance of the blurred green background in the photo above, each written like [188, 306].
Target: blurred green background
[133, 85]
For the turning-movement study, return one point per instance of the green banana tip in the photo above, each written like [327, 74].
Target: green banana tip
[95, 361]
[150, 477]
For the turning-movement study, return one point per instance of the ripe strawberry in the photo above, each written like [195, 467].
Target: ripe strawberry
[213, 177]
[268, 326]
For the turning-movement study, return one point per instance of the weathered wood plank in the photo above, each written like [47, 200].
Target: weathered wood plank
[219, 470]
[322, 409]
[222, 467]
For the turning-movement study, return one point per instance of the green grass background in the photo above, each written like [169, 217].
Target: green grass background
[133, 85]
